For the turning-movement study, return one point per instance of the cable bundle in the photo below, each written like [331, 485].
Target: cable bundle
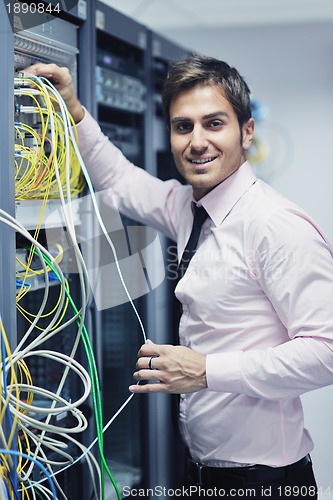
[35, 423]
[37, 155]
[37, 437]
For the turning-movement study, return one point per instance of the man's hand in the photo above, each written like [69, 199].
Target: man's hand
[172, 369]
[62, 80]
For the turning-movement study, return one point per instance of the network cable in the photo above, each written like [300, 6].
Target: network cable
[44, 168]
[69, 222]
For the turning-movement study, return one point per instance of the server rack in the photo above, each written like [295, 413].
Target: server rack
[121, 108]
[46, 39]
[119, 54]
[142, 441]
[56, 40]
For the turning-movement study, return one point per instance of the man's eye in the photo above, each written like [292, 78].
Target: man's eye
[184, 127]
[215, 124]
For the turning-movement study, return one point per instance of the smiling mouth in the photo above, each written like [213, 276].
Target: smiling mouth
[202, 161]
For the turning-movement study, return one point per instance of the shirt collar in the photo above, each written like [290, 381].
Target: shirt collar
[224, 196]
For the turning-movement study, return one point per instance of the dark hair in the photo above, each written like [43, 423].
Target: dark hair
[201, 70]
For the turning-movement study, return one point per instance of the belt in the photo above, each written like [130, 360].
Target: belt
[206, 476]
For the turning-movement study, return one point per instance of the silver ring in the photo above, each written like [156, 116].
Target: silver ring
[150, 363]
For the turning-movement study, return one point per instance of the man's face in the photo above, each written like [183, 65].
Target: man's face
[205, 137]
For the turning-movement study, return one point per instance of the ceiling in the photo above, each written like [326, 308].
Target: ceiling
[166, 16]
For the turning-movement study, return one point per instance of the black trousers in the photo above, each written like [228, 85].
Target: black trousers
[284, 483]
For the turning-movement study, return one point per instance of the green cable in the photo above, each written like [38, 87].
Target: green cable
[38, 494]
[95, 386]
[96, 392]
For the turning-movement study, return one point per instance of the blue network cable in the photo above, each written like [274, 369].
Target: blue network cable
[9, 415]
[41, 466]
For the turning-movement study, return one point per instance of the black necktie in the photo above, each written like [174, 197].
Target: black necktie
[200, 215]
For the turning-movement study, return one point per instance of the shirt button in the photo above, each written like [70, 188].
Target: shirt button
[207, 232]
[185, 309]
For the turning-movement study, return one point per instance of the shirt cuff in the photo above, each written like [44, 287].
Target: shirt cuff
[223, 372]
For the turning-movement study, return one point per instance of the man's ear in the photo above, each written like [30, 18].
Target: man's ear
[248, 131]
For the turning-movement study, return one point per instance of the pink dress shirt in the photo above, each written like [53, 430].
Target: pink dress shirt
[257, 300]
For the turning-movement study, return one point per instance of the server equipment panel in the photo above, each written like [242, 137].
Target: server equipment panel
[121, 107]
[54, 41]
[52, 407]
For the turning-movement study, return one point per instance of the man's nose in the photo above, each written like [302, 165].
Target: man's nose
[199, 140]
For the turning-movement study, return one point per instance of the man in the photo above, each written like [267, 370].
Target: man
[256, 330]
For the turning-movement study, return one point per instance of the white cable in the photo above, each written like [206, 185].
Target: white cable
[84, 275]
[71, 231]
[91, 460]
[56, 447]
[26, 91]
[68, 213]
[3, 489]
[32, 490]
[69, 362]
[96, 439]
[13, 223]
[95, 204]
[99, 217]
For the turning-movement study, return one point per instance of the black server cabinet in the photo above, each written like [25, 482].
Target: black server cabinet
[131, 63]
[47, 39]
[142, 443]
[120, 106]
